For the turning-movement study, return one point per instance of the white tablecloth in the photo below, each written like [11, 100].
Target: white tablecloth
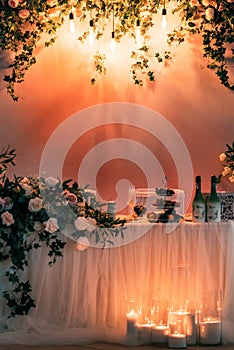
[82, 298]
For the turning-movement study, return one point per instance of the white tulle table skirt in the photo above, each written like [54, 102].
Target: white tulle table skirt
[82, 298]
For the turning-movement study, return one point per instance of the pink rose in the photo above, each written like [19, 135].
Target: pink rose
[51, 225]
[24, 13]
[38, 226]
[35, 204]
[8, 204]
[7, 218]
[71, 198]
[13, 3]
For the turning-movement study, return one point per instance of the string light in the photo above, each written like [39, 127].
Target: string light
[72, 28]
[164, 17]
[138, 33]
[112, 42]
[91, 33]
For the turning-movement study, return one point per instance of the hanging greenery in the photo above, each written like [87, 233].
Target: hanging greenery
[25, 23]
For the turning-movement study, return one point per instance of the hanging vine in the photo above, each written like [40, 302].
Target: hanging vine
[24, 24]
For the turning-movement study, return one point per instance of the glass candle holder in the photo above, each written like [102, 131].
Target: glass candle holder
[188, 314]
[159, 314]
[210, 320]
[177, 332]
[132, 319]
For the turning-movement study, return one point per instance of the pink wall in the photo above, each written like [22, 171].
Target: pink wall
[185, 93]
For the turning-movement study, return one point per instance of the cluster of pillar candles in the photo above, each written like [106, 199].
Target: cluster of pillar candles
[175, 327]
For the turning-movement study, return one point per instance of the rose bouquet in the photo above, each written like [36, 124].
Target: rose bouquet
[34, 212]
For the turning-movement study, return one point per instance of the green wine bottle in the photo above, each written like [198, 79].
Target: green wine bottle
[213, 204]
[198, 204]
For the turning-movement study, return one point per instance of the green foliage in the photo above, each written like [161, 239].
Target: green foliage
[33, 213]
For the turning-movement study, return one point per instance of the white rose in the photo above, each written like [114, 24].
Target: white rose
[7, 218]
[51, 181]
[91, 224]
[209, 13]
[226, 171]
[28, 189]
[231, 178]
[205, 3]
[38, 226]
[222, 157]
[25, 180]
[81, 223]
[82, 243]
[35, 204]
[51, 225]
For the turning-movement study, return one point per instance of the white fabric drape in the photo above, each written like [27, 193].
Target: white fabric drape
[82, 298]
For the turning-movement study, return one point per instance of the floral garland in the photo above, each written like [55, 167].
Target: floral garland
[33, 212]
[23, 22]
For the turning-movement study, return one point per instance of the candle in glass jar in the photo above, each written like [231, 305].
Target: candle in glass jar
[145, 333]
[177, 341]
[159, 334]
[210, 331]
[191, 329]
[132, 328]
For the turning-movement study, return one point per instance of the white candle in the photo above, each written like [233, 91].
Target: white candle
[132, 329]
[145, 333]
[191, 329]
[177, 341]
[159, 334]
[210, 331]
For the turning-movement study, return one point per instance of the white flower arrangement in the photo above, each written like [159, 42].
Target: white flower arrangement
[227, 158]
[35, 211]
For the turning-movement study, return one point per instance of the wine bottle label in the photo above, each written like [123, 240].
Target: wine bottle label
[198, 213]
[213, 212]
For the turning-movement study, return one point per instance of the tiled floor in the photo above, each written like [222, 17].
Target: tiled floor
[104, 346]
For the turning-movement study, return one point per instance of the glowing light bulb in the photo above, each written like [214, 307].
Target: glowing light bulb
[164, 18]
[112, 43]
[138, 33]
[71, 23]
[91, 33]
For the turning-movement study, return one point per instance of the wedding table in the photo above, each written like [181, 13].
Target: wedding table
[82, 298]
